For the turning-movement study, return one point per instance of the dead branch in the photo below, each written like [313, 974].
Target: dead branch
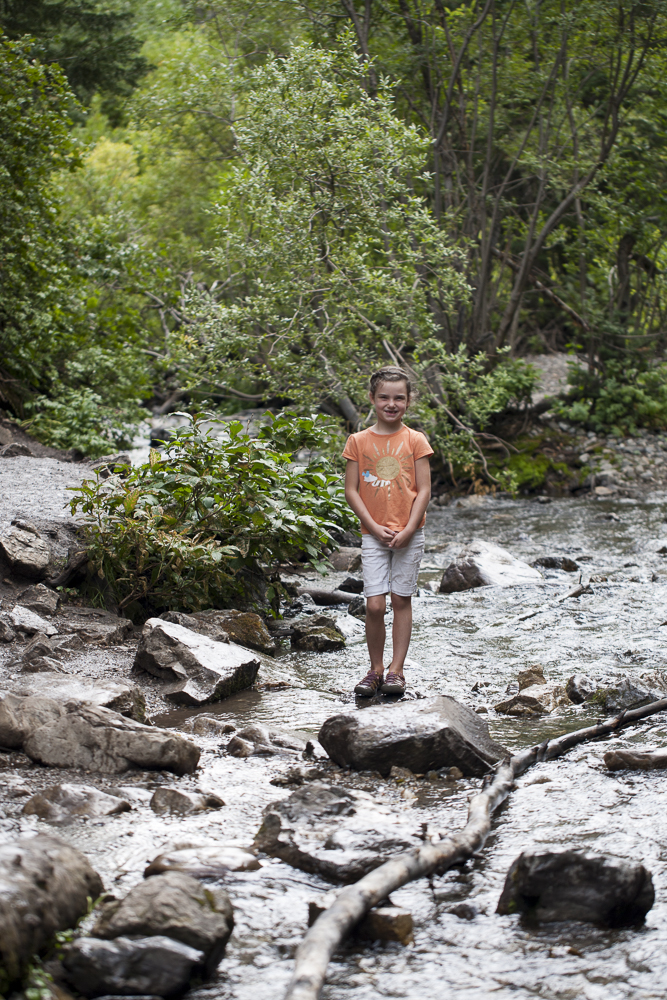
[557, 301]
[326, 597]
[619, 760]
[334, 924]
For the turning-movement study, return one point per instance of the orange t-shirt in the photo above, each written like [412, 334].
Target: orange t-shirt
[387, 481]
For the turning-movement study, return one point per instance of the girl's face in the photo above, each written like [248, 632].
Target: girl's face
[391, 402]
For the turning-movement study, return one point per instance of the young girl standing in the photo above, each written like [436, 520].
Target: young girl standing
[388, 486]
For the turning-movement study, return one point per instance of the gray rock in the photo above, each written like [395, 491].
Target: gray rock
[352, 584]
[38, 656]
[200, 670]
[189, 621]
[176, 905]
[206, 861]
[557, 562]
[155, 965]
[65, 803]
[46, 885]
[259, 741]
[127, 699]
[41, 548]
[96, 627]
[537, 699]
[26, 552]
[579, 687]
[318, 634]
[7, 631]
[357, 607]
[99, 739]
[40, 599]
[627, 692]
[27, 621]
[334, 832]
[182, 802]
[301, 605]
[13, 449]
[245, 628]
[483, 564]
[346, 559]
[21, 716]
[422, 735]
[570, 885]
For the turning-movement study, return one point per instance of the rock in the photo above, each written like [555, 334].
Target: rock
[240, 748]
[176, 905]
[107, 465]
[189, 621]
[7, 633]
[177, 800]
[334, 832]
[579, 687]
[200, 669]
[357, 607]
[154, 966]
[39, 655]
[14, 449]
[571, 885]
[64, 803]
[483, 564]
[97, 627]
[208, 725]
[627, 692]
[464, 911]
[207, 861]
[21, 716]
[318, 634]
[40, 599]
[301, 605]
[422, 735]
[27, 621]
[533, 675]
[620, 760]
[383, 923]
[352, 584]
[244, 627]
[127, 699]
[259, 741]
[346, 560]
[538, 699]
[46, 885]
[99, 739]
[557, 562]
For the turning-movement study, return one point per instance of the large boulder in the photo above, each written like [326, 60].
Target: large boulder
[570, 885]
[40, 549]
[65, 803]
[128, 699]
[334, 832]
[176, 905]
[141, 967]
[198, 669]
[21, 716]
[484, 564]
[98, 739]
[45, 885]
[243, 627]
[420, 735]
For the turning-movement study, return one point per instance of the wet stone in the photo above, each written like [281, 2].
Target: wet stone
[579, 687]
[357, 607]
[347, 559]
[537, 699]
[65, 803]
[206, 861]
[27, 621]
[423, 735]
[127, 699]
[352, 584]
[484, 564]
[557, 562]
[628, 692]
[156, 966]
[182, 802]
[259, 741]
[40, 599]
[189, 621]
[570, 885]
[318, 634]
[243, 627]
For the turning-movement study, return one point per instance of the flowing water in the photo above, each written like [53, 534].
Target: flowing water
[461, 641]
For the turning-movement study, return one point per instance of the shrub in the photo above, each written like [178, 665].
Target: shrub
[205, 524]
[619, 400]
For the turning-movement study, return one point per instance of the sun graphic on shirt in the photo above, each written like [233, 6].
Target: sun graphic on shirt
[388, 466]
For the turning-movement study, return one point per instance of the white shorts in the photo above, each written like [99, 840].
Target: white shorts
[391, 570]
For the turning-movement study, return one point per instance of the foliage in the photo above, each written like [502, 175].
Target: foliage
[205, 524]
[621, 399]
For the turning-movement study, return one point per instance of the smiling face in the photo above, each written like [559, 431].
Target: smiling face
[391, 402]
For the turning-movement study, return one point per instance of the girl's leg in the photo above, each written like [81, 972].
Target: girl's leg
[401, 631]
[375, 631]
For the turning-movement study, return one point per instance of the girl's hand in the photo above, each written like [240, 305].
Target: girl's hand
[385, 535]
[401, 539]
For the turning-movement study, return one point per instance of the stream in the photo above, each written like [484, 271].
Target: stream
[460, 642]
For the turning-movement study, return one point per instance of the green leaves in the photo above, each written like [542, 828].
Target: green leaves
[206, 523]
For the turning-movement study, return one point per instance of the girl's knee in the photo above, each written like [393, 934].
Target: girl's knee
[376, 605]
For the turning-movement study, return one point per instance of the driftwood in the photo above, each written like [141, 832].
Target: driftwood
[325, 597]
[333, 926]
[619, 760]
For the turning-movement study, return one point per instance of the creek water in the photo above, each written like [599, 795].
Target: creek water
[461, 641]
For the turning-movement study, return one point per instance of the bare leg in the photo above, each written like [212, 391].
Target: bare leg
[375, 631]
[401, 631]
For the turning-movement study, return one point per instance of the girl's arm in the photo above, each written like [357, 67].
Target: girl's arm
[423, 483]
[359, 507]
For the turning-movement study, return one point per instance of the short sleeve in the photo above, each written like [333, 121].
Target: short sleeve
[351, 449]
[420, 446]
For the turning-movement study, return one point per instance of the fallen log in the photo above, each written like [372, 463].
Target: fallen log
[326, 597]
[353, 902]
[619, 760]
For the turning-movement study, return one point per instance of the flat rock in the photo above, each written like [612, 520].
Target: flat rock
[182, 802]
[484, 564]
[154, 966]
[127, 699]
[245, 628]
[65, 803]
[319, 634]
[334, 832]
[27, 621]
[176, 905]
[422, 735]
[199, 669]
[260, 741]
[46, 885]
[99, 739]
[571, 885]
[40, 599]
[96, 627]
[537, 699]
[206, 861]
[211, 630]
[21, 716]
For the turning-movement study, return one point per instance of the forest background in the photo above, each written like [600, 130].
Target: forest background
[211, 205]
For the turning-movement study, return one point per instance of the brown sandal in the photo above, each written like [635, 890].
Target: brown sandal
[394, 684]
[370, 684]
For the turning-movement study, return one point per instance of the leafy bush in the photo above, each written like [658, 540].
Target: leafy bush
[205, 524]
[619, 400]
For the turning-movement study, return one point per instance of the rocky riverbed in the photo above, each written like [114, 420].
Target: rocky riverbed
[471, 645]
